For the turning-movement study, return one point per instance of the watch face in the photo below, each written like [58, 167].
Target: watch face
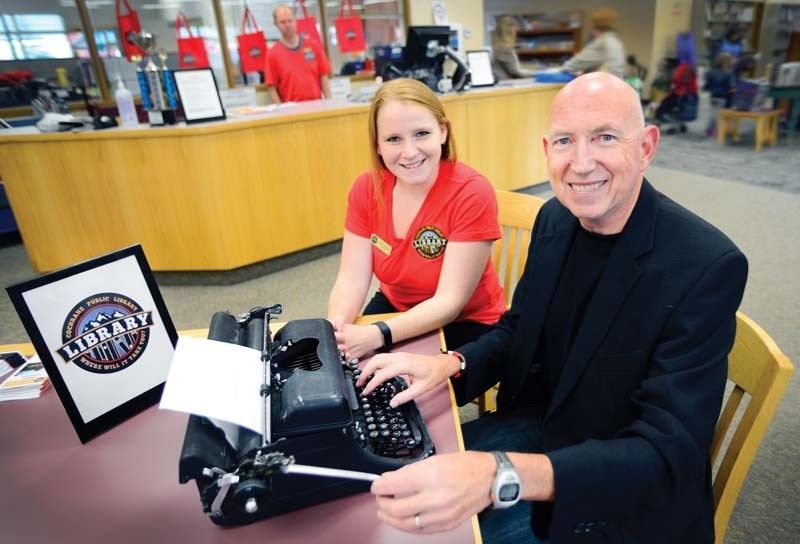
[509, 492]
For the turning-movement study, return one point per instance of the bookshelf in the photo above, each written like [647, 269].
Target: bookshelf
[548, 38]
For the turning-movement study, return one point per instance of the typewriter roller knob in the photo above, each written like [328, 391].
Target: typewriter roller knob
[251, 506]
[249, 495]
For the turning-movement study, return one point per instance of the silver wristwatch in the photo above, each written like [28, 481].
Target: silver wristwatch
[507, 486]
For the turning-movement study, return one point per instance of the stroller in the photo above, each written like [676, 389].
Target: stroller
[680, 105]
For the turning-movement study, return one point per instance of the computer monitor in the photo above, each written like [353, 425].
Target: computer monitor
[415, 54]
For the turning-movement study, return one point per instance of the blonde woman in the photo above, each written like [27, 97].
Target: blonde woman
[423, 224]
[505, 62]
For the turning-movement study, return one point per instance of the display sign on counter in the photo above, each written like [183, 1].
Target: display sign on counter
[199, 96]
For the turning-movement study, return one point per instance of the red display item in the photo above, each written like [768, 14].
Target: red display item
[252, 45]
[307, 25]
[127, 24]
[191, 50]
[349, 30]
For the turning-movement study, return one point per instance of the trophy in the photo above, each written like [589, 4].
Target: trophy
[156, 84]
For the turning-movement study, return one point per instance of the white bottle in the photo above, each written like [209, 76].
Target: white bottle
[125, 105]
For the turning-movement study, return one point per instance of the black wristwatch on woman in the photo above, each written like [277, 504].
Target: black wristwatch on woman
[387, 335]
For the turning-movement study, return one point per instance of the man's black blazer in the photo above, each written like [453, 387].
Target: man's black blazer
[629, 426]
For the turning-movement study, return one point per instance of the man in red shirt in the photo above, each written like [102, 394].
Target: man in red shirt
[296, 68]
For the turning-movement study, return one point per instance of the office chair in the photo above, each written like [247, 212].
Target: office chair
[759, 369]
[516, 213]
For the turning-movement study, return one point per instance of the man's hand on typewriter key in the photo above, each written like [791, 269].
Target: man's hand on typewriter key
[442, 490]
[425, 372]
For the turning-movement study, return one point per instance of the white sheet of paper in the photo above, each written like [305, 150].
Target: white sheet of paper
[216, 380]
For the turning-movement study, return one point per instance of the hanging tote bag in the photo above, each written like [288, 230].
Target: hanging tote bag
[191, 50]
[307, 26]
[349, 30]
[252, 45]
[127, 24]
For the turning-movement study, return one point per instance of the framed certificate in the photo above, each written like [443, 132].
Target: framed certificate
[197, 89]
[103, 334]
[480, 68]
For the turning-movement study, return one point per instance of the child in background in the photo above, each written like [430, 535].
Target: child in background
[634, 74]
[720, 83]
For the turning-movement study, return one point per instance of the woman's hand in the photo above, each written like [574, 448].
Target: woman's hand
[425, 372]
[355, 341]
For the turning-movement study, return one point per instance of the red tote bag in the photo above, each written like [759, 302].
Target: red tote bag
[191, 50]
[126, 24]
[307, 26]
[252, 45]
[349, 30]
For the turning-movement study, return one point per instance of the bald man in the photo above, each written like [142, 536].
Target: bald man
[296, 67]
[612, 359]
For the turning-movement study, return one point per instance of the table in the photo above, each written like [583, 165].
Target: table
[123, 485]
[793, 95]
[766, 125]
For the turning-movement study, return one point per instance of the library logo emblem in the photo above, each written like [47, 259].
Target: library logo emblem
[429, 242]
[105, 333]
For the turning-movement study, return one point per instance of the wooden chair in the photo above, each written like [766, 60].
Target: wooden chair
[758, 369]
[516, 213]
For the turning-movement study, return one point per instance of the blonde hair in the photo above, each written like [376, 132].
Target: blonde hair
[604, 19]
[724, 61]
[503, 32]
[414, 92]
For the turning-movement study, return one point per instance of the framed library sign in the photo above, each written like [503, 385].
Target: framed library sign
[199, 95]
[104, 335]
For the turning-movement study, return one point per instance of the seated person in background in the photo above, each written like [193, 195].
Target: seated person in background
[424, 224]
[296, 68]
[605, 52]
[505, 62]
[719, 83]
[612, 359]
[733, 43]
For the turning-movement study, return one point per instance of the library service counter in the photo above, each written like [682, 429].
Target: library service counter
[221, 195]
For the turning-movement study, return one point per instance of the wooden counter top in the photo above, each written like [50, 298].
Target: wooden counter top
[221, 195]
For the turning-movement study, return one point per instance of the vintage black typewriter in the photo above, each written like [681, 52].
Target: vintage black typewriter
[321, 439]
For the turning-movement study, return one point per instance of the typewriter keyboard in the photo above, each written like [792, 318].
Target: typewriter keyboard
[386, 431]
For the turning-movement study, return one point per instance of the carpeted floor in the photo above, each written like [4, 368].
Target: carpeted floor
[773, 167]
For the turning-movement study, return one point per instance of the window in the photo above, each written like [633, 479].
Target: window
[106, 41]
[33, 36]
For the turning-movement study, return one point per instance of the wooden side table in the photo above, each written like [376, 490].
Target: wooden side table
[766, 125]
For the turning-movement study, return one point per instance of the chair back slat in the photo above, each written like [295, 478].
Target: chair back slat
[760, 371]
[516, 213]
[725, 419]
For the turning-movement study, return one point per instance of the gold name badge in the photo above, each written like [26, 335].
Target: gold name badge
[376, 241]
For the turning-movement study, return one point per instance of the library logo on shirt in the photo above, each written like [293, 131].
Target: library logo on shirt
[105, 333]
[429, 242]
